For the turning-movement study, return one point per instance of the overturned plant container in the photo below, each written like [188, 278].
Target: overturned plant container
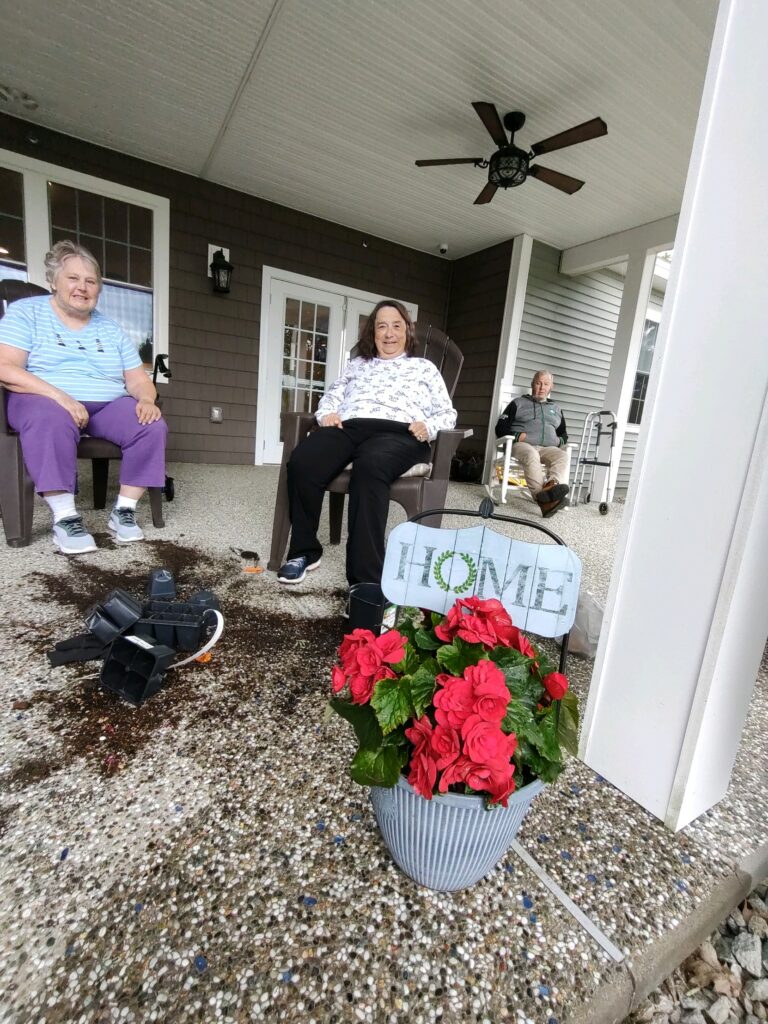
[134, 669]
[112, 617]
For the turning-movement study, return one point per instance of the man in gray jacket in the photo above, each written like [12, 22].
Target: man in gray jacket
[538, 426]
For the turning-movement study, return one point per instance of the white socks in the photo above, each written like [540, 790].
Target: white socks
[61, 505]
[123, 502]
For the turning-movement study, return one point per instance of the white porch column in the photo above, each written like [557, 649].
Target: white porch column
[686, 618]
[517, 284]
[626, 351]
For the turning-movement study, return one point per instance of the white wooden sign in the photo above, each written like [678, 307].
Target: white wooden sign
[538, 584]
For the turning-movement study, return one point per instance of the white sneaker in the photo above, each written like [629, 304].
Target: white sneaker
[71, 537]
[122, 522]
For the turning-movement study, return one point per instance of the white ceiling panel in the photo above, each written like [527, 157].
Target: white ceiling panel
[327, 109]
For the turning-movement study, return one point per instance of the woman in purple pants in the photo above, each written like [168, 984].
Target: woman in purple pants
[72, 370]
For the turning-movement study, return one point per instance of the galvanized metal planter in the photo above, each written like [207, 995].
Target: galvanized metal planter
[449, 842]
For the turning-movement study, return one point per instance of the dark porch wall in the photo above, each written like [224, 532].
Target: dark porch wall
[215, 338]
[475, 314]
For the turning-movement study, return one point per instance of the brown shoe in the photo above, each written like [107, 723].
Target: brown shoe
[548, 508]
[552, 491]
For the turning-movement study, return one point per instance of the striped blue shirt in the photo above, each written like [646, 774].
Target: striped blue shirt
[87, 364]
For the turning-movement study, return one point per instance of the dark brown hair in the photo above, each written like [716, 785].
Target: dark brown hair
[366, 346]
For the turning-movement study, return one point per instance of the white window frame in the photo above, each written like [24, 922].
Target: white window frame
[36, 174]
[271, 275]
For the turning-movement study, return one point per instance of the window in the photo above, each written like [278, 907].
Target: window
[120, 237]
[643, 371]
[125, 229]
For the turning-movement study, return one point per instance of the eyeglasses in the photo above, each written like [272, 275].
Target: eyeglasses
[63, 344]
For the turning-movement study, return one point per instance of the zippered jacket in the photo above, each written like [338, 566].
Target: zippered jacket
[542, 423]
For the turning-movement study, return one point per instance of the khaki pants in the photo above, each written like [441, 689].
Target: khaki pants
[540, 464]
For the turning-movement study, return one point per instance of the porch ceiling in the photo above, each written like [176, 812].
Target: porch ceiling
[323, 105]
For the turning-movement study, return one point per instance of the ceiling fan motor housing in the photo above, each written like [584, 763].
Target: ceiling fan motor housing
[508, 167]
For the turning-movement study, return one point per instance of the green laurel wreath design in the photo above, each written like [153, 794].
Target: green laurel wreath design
[471, 574]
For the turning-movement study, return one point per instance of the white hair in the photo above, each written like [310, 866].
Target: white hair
[61, 252]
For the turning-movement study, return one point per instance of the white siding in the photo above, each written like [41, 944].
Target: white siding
[625, 463]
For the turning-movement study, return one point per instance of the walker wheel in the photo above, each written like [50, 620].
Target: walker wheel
[588, 498]
[603, 508]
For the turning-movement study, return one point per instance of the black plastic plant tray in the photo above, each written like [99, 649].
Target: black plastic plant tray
[135, 670]
[172, 623]
[115, 615]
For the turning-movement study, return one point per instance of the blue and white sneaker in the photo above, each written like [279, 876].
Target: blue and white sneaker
[295, 569]
[71, 537]
[122, 522]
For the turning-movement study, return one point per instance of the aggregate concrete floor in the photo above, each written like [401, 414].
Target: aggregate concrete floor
[206, 857]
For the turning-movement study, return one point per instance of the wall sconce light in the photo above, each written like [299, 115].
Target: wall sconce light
[221, 272]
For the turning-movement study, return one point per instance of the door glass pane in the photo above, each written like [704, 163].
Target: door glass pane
[305, 354]
[323, 319]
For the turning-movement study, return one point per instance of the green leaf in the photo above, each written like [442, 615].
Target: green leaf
[391, 701]
[530, 762]
[519, 720]
[423, 686]
[548, 744]
[427, 641]
[362, 719]
[568, 724]
[455, 657]
[378, 767]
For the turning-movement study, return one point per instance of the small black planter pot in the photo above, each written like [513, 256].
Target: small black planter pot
[134, 671]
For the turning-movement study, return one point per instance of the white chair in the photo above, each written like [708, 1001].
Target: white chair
[505, 473]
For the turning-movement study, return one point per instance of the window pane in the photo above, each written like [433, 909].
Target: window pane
[12, 238]
[63, 208]
[115, 261]
[140, 267]
[60, 234]
[290, 338]
[140, 226]
[11, 193]
[131, 308]
[90, 214]
[292, 312]
[323, 316]
[115, 220]
[308, 315]
[95, 246]
[646, 348]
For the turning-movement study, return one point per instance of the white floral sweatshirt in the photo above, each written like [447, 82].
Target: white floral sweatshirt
[405, 389]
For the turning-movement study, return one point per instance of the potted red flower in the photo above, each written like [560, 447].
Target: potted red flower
[457, 717]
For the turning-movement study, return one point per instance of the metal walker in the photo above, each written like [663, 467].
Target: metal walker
[595, 429]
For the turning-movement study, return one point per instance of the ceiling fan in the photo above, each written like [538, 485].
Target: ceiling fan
[510, 166]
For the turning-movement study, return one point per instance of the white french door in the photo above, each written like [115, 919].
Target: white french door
[308, 329]
[304, 352]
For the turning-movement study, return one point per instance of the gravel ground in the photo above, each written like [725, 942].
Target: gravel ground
[205, 856]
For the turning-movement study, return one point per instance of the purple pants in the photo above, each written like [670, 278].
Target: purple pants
[49, 438]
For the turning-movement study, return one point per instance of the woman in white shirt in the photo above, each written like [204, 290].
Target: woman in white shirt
[380, 415]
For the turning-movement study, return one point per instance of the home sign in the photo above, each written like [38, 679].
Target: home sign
[538, 584]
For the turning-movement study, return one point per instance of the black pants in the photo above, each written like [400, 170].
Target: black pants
[380, 451]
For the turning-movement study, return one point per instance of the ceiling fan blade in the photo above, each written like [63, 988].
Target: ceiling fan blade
[486, 195]
[562, 181]
[581, 133]
[489, 115]
[455, 160]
